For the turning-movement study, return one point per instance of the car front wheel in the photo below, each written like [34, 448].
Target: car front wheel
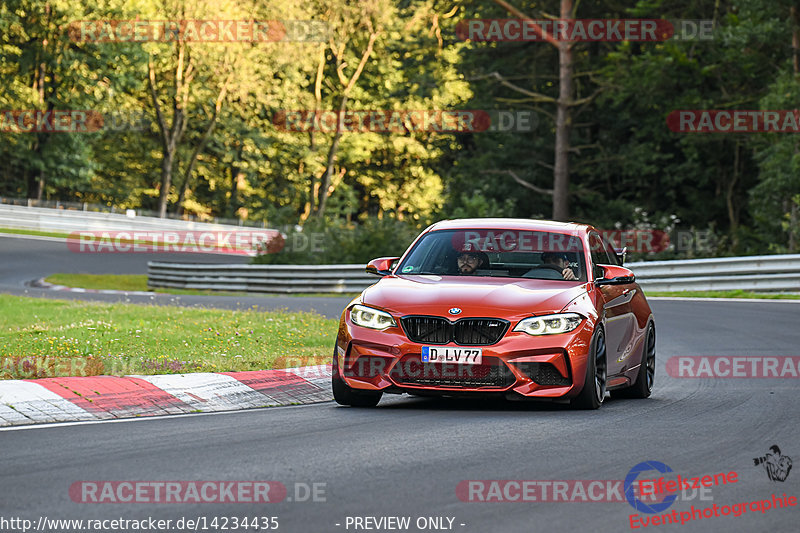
[594, 385]
[346, 395]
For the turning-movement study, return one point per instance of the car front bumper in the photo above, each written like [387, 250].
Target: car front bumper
[517, 366]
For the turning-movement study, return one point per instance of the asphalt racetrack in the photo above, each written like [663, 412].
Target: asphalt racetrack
[23, 260]
[406, 457]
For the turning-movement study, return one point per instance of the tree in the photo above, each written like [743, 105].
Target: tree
[43, 69]
[564, 103]
[348, 22]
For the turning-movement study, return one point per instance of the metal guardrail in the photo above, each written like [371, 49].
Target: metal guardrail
[760, 273]
[68, 221]
[756, 273]
[280, 279]
[102, 208]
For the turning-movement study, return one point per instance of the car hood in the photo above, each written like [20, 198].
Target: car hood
[476, 297]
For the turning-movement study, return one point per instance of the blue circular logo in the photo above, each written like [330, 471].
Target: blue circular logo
[454, 311]
[638, 504]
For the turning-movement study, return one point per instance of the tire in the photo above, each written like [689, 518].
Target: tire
[346, 395]
[594, 385]
[645, 378]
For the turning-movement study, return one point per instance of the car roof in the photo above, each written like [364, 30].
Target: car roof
[511, 224]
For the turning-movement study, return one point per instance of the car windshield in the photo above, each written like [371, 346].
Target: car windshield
[497, 253]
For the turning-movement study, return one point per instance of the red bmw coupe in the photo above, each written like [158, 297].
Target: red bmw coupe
[525, 309]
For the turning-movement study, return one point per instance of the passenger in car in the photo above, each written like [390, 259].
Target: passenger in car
[557, 261]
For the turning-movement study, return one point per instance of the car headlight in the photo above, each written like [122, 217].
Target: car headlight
[367, 317]
[549, 324]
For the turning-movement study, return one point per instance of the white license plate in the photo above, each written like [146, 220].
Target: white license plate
[448, 354]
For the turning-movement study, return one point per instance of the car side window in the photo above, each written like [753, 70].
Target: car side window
[599, 254]
[612, 254]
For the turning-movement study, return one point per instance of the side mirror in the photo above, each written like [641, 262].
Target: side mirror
[615, 275]
[621, 253]
[381, 266]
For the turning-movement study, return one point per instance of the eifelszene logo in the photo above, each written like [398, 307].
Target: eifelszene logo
[630, 493]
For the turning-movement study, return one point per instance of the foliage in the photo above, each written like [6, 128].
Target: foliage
[320, 242]
[234, 158]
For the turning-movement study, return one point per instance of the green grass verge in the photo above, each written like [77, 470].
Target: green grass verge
[34, 232]
[724, 294]
[136, 282]
[113, 282]
[47, 338]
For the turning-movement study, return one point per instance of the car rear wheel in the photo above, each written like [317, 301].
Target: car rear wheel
[594, 385]
[645, 378]
[346, 395]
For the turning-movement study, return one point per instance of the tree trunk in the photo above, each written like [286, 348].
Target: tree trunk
[171, 135]
[237, 174]
[202, 144]
[563, 124]
[795, 39]
[166, 181]
[795, 53]
[30, 182]
[733, 219]
[182, 194]
[325, 181]
[233, 202]
[38, 181]
[313, 188]
[563, 105]
[193, 159]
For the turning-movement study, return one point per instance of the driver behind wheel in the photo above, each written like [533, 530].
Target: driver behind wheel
[470, 261]
[558, 261]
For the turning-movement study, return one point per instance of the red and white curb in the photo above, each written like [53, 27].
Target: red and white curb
[69, 399]
[42, 284]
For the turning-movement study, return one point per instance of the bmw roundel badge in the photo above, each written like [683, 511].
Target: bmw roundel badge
[454, 311]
